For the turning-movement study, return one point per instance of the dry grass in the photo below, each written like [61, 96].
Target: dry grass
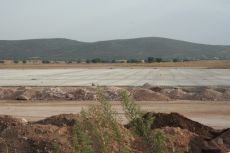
[195, 64]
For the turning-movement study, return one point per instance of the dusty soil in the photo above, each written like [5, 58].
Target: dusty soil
[200, 64]
[17, 135]
[144, 93]
[214, 114]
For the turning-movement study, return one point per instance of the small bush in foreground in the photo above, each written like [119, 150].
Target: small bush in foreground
[98, 130]
[100, 126]
[142, 126]
[56, 149]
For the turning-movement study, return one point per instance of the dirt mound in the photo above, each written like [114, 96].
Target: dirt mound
[218, 144]
[27, 93]
[181, 134]
[177, 93]
[60, 120]
[226, 94]
[53, 93]
[177, 120]
[114, 93]
[16, 135]
[7, 93]
[35, 138]
[177, 139]
[223, 138]
[209, 94]
[83, 94]
[141, 94]
[6, 121]
[185, 135]
[155, 89]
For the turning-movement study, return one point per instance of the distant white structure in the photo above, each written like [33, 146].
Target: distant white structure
[121, 61]
[34, 60]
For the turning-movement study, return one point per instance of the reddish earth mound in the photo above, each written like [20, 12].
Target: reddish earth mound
[201, 138]
[60, 120]
[178, 139]
[177, 120]
[34, 139]
[182, 135]
[16, 135]
[6, 121]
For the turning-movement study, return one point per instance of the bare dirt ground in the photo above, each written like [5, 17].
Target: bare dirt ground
[214, 114]
[190, 64]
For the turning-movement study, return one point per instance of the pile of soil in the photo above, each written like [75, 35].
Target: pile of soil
[27, 93]
[37, 137]
[177, 93]
[6, 121]
[226, 94]
[7, 93]
[59, 120]
[197, 137]
[209, 94]
[81, 94]
[140, 94]
[114, 93]
[182, 135]
[177, 139]
[177, 120]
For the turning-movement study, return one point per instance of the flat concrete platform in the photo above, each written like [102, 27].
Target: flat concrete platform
[115, 77]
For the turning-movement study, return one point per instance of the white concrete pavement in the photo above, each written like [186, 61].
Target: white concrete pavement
[115, 77]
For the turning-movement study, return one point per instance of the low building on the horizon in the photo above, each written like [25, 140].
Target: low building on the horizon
[8, 61]
[121, 61]
[34, 60]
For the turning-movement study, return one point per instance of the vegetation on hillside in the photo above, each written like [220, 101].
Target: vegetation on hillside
[139, 48]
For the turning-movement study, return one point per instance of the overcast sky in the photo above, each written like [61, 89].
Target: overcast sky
[203, 21]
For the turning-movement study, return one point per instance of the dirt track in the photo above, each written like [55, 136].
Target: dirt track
[215, 114]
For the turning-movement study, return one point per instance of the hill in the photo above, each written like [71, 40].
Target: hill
[138, 48]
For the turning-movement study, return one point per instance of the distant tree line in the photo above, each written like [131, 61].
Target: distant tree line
[100, 60]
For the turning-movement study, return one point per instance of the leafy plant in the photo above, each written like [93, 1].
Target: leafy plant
[81, 140]
[99, 125]
[142, 126]
[56, 148]
[97, 129]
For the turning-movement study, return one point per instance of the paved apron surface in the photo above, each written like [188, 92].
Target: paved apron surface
[115, 77]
